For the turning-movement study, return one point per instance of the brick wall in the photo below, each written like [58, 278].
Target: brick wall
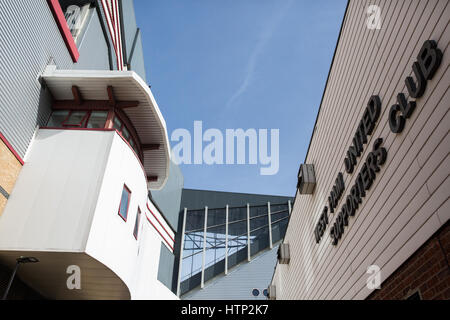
[9, 171]
[426, 271]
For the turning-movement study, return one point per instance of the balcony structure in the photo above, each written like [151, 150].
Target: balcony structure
[81, 198]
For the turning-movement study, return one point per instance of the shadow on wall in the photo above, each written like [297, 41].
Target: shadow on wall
[19, 290]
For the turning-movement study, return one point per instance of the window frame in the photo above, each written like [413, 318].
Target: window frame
[89, 118]
[109, 125]
[125, 187]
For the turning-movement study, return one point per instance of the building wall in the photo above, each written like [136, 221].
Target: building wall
[409, 199]
[240, 281]
[93, 47]
[169, 197]
[111, 238]
[198, 199]
[10, 166]
[29, 41]
[132, 40]
[63, 174]
[66, 200]
[426, 272]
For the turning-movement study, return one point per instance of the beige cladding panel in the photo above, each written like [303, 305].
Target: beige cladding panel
[9, 171]
[409, 199]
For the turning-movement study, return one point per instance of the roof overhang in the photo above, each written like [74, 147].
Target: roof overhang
[128, 86]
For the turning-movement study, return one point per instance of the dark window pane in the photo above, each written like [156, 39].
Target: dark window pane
[279, 230]
[195, 220]
[117, 124]
[57, 118]
[123, 209]
[97, 119]
[259, 240]
[125, 134]
[258, 211]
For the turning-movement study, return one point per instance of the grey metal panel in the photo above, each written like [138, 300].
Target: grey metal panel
[168, 199]
[137, 59]
[240, 281]
[129, 24]
[29, 41]
[166, 266]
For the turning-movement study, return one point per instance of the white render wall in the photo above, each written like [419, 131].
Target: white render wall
[67, 197]
[111, 239]
[54, 199]
[409, 200]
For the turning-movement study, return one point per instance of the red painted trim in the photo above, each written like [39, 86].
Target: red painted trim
[160, 223]
[10, 147]
[168, 243]
[82, 123]
[110, 28]
[137, 223]
[81, 129]
[58, 14]
[109, 23]
[128, 204]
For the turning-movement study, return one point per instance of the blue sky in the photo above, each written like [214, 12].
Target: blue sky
[244, 64]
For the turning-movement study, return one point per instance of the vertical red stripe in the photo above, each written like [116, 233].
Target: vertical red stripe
[107, 12]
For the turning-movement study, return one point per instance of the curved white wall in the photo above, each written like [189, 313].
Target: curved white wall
[111, 239]
[67, 197]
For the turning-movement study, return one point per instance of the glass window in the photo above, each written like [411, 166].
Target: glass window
[117, 124]
[255, 292]
[124, 202]
[97, 119]
[133, 145]
[57, 118]
[75, 119]
[136, 224]
[126, 134]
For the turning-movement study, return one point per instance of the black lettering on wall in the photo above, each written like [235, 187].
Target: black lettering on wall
[364, 180]
[428, 61]
[365, 128]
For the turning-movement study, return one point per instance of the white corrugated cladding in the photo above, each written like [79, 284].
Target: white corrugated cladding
[409, 199]
[29, 38]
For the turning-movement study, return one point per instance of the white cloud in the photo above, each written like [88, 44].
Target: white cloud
[265, 37]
